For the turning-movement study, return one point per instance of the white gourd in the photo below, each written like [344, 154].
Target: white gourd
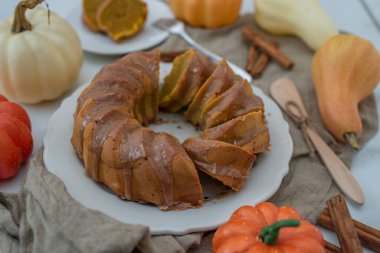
[41, 63]
[303, 18]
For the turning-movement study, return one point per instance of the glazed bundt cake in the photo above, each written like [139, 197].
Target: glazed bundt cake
[119, 151]
[133, 161]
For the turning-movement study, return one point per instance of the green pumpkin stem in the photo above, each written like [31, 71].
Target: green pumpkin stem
[269, 234]
[20, 23]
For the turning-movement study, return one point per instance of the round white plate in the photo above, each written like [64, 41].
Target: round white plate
[98, 43]
[266, 175]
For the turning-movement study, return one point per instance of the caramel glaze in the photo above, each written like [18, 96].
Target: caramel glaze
[248, 131]
[90, 107]
[220, 80]
[228, 163]
[236, 101]
[96, 132]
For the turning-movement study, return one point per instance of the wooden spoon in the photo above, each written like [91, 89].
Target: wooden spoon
[284, 91]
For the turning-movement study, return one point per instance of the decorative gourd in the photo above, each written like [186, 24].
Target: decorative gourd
[303, 18]
[346, 69]
[16, 140]
[266, 228]
[38, 60]
[206, 13]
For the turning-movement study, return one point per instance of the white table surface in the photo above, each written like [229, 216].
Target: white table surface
[349, 15]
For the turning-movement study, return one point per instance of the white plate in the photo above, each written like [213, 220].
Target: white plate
[265, 179]
[101, 44]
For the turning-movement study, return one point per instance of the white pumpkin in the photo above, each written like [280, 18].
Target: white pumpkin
[39, 64]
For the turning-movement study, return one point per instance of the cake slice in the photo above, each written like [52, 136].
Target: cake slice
[96, 132]
[227, 163]
[90, 7]
[181, 185]
[144, 67]
[121, 19]
[156, 168]
[220, 80]
[236, 101]
[89, 109]
[190, 70]
[248, 131]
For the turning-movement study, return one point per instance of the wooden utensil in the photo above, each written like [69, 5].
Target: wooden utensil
[284, 91]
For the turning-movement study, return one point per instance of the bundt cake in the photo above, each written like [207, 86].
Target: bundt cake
[119, 151]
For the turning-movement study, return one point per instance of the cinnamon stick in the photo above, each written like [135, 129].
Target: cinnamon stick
[255, 39]
[368, 236]
[343, 225]
[169, 56]
[262, 62]
[329, 247]
[251, 58]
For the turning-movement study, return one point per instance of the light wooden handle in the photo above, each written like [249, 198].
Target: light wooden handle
[284, 91]
[338, 170]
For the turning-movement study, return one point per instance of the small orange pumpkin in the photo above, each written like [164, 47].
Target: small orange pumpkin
[206, 13]
[266, 228]
[16, 141]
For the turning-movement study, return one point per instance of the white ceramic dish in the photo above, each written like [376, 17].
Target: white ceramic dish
[265, 179]
[101, 44]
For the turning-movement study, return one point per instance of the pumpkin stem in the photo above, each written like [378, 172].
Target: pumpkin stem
[269, 234]
[350, 137]
[20, 23]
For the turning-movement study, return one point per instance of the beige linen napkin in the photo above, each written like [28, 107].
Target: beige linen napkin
[44, 218]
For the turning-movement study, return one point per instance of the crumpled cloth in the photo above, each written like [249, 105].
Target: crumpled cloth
[42, 217]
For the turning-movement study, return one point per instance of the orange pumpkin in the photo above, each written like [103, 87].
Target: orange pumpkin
[266, 228]
[206, 13]
[16, 142]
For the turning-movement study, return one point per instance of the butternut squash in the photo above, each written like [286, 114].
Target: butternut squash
[306, 19]
[346, 69]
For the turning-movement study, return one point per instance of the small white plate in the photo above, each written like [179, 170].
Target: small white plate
[98, 43]
[266, 176]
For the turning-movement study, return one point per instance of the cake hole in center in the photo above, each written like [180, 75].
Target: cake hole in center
[174, 124]
[177, 125]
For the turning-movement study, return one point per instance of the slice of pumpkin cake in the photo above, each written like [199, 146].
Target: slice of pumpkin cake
[220, 80]
[229, 164]
[190, 71]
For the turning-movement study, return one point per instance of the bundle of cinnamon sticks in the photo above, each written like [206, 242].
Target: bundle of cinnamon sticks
[261, 51]
[351, 233]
